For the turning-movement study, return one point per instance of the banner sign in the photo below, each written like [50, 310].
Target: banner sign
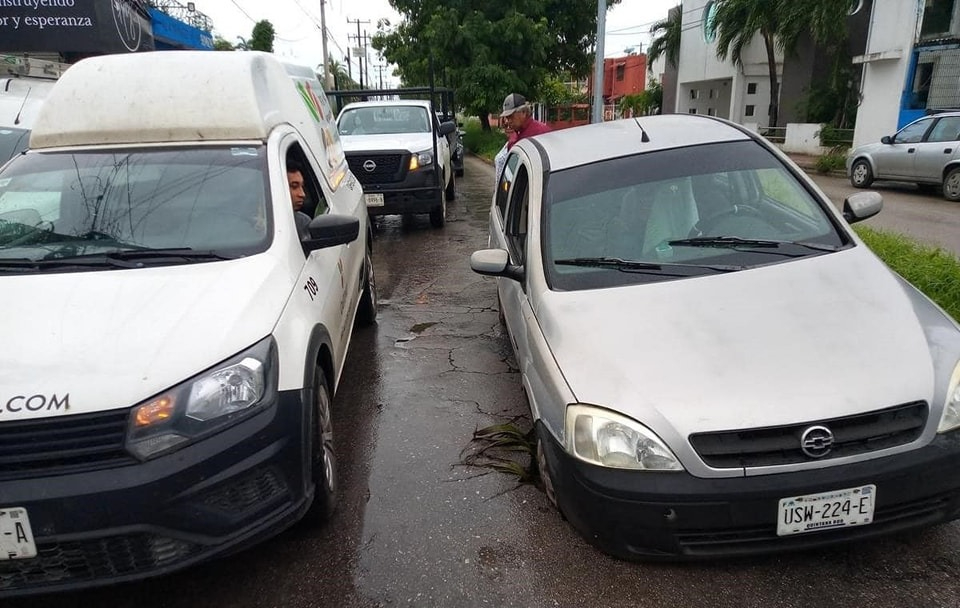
[74, 26]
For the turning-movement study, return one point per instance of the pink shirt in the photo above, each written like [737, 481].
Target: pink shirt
[530, 128]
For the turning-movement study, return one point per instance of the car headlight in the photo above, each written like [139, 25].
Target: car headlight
[607, 439]
[205, 404]
[951, 409]
[421, 159]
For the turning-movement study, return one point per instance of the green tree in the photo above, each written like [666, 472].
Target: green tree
[489, 49]
[780, 24]
[262, 37]
[666, 39]
[645, 103]
[219, 44]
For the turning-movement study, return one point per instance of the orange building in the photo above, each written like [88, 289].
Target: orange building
[625, 75]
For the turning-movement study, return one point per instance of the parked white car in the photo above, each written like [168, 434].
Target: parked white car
[715, 363]
[926, 151]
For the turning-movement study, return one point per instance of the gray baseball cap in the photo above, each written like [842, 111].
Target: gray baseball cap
[512, 103]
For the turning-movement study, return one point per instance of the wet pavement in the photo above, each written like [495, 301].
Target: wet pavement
[416, 526]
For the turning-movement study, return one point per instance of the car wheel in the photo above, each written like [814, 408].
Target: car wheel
[951, 185]
[367, 313]
[451, 191]
[323, 457]
[500, 315]
[544, 469]
[438, 217]
[459, 172]
[861, 175]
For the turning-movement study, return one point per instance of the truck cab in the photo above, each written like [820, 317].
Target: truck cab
[400, 153]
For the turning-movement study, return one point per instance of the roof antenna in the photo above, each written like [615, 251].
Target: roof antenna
[16, 120]
[643, 134]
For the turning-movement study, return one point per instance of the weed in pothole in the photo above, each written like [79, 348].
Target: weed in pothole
[504, 448]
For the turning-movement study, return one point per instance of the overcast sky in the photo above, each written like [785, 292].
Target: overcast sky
[297, 25]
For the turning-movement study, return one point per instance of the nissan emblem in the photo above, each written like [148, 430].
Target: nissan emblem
[369, 165]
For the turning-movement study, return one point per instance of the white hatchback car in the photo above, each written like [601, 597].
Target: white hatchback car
[715, 363]
[926, 151]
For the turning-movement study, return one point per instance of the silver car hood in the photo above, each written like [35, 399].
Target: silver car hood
[804, 340]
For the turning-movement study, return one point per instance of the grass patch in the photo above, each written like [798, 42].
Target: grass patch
[504, 448]
[932, 270]
[480, 142]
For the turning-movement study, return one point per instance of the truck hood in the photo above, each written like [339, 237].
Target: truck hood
[411, 142]
[110, 339]
[799, 341]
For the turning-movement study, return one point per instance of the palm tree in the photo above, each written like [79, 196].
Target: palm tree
[666, 38]
[780, 24]
[737, 23]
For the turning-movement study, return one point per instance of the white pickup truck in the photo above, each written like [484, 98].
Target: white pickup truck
[400, 153]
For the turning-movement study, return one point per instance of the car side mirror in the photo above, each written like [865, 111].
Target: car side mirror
[446, 128]
[886, 139]
[495, 263]
[862, 205]
[329, 230]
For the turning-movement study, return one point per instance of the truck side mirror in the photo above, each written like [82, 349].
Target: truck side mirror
[446, 128]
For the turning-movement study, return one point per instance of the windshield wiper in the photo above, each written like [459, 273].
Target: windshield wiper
[129, 258]
[186, 253]
[735, 242]
[638, 266]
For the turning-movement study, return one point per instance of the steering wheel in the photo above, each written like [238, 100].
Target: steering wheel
[707, 224]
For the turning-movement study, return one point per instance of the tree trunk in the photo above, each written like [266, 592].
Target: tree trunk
[484, 123]
[774, 84]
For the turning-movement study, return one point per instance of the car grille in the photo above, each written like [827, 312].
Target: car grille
[389, 168]
[246, 495]
[63, 444]
[902, 516]
[780, 445]
[76, 562]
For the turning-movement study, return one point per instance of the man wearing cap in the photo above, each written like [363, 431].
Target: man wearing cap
[516, 111]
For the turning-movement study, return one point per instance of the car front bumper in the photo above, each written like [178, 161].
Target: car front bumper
[638, 515]
[140, 519]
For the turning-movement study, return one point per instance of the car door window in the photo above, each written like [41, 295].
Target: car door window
[517, 216]
[503, 186]
[913, 133]
[946, 129]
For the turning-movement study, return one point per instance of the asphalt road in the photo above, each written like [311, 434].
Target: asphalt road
[416, 526]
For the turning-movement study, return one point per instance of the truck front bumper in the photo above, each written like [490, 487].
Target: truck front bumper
[131, 520]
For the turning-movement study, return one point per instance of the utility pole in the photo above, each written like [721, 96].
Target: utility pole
[365, 39]
[359, 39]
[597, 114]
[326, 58]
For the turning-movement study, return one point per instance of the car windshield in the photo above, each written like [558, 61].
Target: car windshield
[676, 213]
[384, 120]
[64, 206]
[12, 142]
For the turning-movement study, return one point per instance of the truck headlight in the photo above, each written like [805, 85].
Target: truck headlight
[951, 409]
[205, 404]
[608, 439]
[421, 159]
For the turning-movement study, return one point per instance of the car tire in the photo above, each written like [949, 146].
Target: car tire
[951, 185]
[323, 456]
[367, 312]
[438, 217]
[861, 175]
[451, 192]
[543, 468]
[459, 172]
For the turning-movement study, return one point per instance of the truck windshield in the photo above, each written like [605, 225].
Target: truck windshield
[384, 120]
[12, 142]
[65, 204]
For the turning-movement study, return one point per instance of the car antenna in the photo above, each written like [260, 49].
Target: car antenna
[16, 120]
[643, 134]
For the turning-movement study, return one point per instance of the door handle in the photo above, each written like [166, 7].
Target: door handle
[911, 150]
[948, 150]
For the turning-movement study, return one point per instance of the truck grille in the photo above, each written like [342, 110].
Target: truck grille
[780, 445]
[77, 562]
[63, 444]
[387, 167]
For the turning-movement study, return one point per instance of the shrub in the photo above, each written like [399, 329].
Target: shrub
[480, 142]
